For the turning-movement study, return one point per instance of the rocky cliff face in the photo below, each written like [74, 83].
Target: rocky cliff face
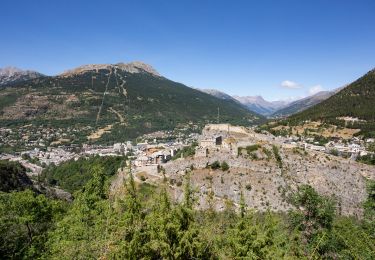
[267, 184]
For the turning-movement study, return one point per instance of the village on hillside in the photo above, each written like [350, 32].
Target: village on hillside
[149, 154]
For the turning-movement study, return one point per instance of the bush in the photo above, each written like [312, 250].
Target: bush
[252, 148]
[368, 159]
[249, 149]
[224, 166]
[267, 153]
[334, 152]
[215, 165]
[275, 150]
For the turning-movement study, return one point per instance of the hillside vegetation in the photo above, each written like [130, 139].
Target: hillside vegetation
[135, 226]
[13, 177]
[131, 103]
[356, 100]
[302, 104]
[73, 175]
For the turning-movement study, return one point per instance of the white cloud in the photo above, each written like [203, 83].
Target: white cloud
[290, 84]
[315, 89]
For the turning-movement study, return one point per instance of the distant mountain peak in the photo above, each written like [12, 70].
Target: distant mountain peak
[131, 67]
[9, 75]
[136, 65]
[303, 103]
[260, 105]
[216, 93]
[9, 71]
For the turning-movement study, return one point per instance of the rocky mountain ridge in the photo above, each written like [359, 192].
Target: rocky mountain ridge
[131, 67]
[217, 93]
[302, 104]
[355, 101]
[10, 75]
[260, 105]
[115, 100]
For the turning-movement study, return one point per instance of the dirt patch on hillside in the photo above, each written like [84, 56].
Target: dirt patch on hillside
[316, 128]
[47, 106]
[100, 132]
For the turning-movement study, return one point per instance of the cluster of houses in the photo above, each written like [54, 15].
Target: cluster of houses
[30, 136]
[214, 137]
[352, 148]
[143, 153]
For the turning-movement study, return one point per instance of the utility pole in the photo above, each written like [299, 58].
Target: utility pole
[218, 114]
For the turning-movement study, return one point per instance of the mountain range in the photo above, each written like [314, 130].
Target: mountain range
[255, 104]
[134, 98]
[12, 75]
[273, 109]
[351, 106]
[130, 99]
[260, 105]
[302, 104]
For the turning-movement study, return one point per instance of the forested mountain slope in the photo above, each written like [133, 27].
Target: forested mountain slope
[357, 100]
[302, 104]
[133, 98]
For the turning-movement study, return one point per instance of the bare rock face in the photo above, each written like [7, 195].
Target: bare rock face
[10, 75]
[132, 67]
[267, 176]
[267, 186]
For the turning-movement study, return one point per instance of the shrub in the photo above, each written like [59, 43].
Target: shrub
[224, 166]
[334, 152]
[267, 153]
[252, 148]
[275, 150]
[215, 165]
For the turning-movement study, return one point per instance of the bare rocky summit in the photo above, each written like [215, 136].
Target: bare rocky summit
[132, 67]
[10, 75]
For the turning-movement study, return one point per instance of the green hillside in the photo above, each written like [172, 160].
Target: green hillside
[13, 177]
[357, 100]
[132, 103]
[302, 104]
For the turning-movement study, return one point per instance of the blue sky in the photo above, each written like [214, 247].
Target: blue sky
[277, 49]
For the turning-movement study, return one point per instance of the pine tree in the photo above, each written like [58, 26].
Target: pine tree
[80, 232]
